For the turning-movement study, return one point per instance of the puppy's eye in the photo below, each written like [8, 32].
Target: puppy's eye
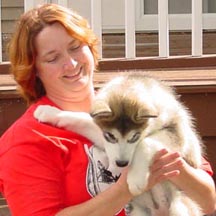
[110, 137]
[134, 138]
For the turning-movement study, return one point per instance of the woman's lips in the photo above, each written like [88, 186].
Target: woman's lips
[73, 75]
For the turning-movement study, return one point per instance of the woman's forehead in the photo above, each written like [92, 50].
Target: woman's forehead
[53, 37]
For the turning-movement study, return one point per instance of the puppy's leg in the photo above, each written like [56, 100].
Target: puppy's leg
[189, 142]
[138, 173]
[63, 119]
[78, 122]
[47, 114]
[187, 206]
[142, 205]
[138, 211]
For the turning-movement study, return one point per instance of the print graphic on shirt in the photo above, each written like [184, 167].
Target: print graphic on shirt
[99, 177]
[55, 140]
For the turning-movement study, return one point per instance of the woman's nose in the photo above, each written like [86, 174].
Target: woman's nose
[70, 64]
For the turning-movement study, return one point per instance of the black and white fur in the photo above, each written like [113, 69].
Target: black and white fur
[132, 118]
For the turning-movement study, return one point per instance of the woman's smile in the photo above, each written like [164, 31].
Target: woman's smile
[74, 75]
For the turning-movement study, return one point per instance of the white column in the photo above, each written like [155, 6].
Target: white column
[61, 2]
[29, 4]
[96, 22]
[163, 28]
[197, 42]
[130, 36]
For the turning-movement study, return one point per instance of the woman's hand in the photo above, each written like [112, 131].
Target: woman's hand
[196, 183]
[165, 165]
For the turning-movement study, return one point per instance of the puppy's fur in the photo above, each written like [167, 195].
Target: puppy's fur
[136, 116]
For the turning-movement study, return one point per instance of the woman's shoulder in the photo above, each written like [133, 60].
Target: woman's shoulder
[28, 131]
[20, 127]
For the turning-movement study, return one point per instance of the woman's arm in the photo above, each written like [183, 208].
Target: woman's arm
[106, 203]
[196, 183]
[33, 185]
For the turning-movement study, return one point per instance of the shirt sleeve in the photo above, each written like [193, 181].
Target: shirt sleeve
[34, 179]
[206, 167]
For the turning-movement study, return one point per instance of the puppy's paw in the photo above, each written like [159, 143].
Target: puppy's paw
[136, 189]
[137, 185]
[46, 114]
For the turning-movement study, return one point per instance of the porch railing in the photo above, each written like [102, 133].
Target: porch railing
[130, 41]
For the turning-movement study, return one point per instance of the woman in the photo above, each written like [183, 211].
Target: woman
[49, 171]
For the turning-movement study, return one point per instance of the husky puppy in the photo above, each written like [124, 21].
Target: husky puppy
[132, 118]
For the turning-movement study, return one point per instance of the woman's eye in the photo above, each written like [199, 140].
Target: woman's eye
[52, 60]
[110, 137]
[134, 138]
[75, 46]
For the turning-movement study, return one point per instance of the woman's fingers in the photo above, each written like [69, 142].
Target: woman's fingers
[165, 166]
[163, 158]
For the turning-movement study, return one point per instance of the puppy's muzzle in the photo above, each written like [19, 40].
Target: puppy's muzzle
[121, 163]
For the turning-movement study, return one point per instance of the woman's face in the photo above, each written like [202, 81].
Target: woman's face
[64, 64]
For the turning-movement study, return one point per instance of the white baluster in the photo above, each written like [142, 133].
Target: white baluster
[163, 27]
[96, 22]
[130, 36]
[197, 42]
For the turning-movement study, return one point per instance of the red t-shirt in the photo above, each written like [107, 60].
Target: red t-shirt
[44, 169]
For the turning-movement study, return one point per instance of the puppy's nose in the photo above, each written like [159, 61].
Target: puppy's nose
[121, 163]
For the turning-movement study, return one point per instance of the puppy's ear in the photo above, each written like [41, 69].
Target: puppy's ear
[101, 109]
[145, 113]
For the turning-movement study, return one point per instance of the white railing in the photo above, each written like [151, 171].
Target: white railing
[163, 23]
[129, 25]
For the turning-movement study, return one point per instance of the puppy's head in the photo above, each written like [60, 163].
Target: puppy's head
[123, 122]
[123, 110]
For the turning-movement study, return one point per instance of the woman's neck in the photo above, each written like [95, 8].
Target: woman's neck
[77, 102]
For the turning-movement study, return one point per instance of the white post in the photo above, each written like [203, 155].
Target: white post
[130, 36]
[0, 33]
[62, 2]
[96, 22]
[163, 27]
[197, 42]
[29, 4]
